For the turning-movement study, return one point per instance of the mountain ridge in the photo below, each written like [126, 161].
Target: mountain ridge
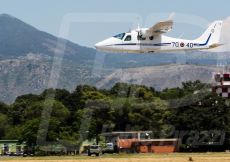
[18, 38]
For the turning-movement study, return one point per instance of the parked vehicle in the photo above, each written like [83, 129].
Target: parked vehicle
[109, 148]
[94, 150]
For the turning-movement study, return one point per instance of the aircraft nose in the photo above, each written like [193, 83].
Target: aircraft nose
[105, 45]
[99, 45]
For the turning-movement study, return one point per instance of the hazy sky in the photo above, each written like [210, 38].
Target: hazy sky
[47, 15]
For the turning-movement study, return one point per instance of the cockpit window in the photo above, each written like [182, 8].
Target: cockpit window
[128, 38]
[120, 36]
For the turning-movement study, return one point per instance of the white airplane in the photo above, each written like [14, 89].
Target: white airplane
[149, 40]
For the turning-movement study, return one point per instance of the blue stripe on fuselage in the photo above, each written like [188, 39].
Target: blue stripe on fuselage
[141, 44]
[204, 44]
[162, 44]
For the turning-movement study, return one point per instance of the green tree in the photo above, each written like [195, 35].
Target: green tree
[132, 90]
[4, 108]
[60, 95]
[3, 125]
[82, 94]
[172, 93]
[17, 109]
[190, 86]
[100, 116]
[211, 109]
[121, 116]
[208, 114]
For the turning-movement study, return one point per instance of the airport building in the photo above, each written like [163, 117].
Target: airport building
[141, 142]
[11, 147]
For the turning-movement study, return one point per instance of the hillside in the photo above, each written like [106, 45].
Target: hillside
[161, 77]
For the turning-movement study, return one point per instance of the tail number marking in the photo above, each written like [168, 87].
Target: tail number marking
[178, 44]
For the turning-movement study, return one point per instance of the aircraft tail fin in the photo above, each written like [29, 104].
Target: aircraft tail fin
[212, 35]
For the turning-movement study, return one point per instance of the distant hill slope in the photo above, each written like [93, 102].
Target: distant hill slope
[161, 77]
[31, 74]
[26, 61]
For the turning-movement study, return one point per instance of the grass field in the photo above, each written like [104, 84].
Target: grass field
[205, 157]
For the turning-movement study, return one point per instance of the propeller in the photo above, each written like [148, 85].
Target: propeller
[171, 16]
[140, 32]
[138, 29]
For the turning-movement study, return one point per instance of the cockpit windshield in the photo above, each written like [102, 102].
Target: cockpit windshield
[120, 36]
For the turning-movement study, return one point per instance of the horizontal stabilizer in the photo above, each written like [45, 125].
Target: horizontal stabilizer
[215, 45]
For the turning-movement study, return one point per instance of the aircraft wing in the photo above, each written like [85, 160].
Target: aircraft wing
[160, 28]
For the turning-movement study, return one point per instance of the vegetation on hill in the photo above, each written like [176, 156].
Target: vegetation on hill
[192, 113]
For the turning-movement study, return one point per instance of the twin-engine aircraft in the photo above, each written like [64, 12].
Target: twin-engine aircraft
[149, 40]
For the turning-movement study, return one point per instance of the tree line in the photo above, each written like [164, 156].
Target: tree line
[192, 113]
